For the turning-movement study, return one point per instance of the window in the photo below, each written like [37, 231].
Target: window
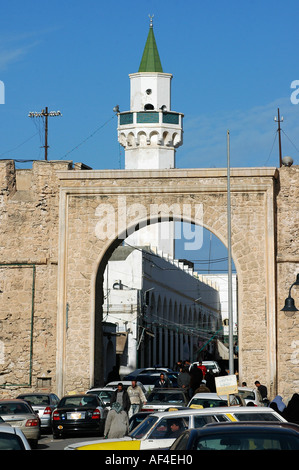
[169, 428]
[10, 442]
[200, 421]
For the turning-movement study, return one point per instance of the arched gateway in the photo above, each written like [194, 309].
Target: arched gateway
[96, 209]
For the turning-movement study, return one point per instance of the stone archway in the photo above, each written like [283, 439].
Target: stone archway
[128, 198]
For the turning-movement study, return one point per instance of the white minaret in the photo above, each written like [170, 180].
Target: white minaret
[150, 133]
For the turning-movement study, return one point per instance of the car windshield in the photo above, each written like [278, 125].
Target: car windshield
[10, 442]
[248, 441]
[163, 396]
[14, 408]
[36, 400]
[207, 402]
[104, 395]
[73, 401]
[143, 428]
[248, 394]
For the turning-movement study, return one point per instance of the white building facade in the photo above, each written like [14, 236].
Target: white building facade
[162, 309]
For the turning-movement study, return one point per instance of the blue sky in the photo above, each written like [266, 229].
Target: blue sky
[232, 62]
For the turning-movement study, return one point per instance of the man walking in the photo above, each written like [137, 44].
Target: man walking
[121, 396]
[137, 398]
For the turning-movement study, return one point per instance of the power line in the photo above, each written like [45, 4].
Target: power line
[20, 145]
[89, 137]
[290, 140]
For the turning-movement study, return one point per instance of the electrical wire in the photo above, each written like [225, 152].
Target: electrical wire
[20, 145]
[87, 138]
[290, 140]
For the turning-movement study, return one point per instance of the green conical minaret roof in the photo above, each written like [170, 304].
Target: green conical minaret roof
[150, 61]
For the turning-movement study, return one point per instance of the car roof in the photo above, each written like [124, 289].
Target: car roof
[240, 426]
[208, 395]
[13, 400]
[169, 389]
[251, 389]
[105, 389]
[34, 394]
[7, 429]
[78, 395]
[215, 409]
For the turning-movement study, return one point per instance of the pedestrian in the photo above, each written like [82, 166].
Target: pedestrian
[178, 365]
[210, 381]
[121, 396]
[184, 378]
[262, 389]
[202, 368]
[291, 412]
[196, 377]
[277, 404]
[117, 422]
[137, 398]
[203, 388]
[163, 382]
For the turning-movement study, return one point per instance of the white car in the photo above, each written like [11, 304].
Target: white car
[104, 394]
[210, 400]
[212, 366]
[251, 395]
[159, 430]
[126, 385]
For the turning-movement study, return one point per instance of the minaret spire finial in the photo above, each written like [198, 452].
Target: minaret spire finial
[151, 20]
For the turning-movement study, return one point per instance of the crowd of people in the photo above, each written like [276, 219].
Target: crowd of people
[193, 379]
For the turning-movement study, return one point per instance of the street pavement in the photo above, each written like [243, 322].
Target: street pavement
[46, 442]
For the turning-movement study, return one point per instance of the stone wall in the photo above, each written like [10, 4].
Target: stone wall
[51, 262]
[28, 275]
[287, 269]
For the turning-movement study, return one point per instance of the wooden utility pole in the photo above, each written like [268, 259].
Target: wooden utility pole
[278, 120]
[44, 113]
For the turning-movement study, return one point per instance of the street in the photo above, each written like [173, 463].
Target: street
[46, 442]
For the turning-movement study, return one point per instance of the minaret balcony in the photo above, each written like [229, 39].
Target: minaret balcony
[149, 117]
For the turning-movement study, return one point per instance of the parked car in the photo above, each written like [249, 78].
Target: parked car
[43, 404]
[78, 414]
[154, 431]
[149, 380]
[208, 400]
[126, 384]
[239, 436]
[147, 370]
[162, 399]
[251, 395]
[212, 366]
[104, 394]
[12, 438]
[19, 414]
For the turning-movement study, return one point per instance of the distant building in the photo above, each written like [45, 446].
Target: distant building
[162, 310]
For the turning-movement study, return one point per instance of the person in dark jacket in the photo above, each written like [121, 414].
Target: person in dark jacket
[121, 396]
[291, 412]
[184, 378]
[163, 382]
